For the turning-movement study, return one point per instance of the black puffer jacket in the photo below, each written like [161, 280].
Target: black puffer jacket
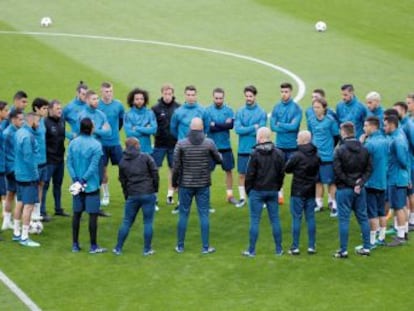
[304, 165]
[352, 163]
[192, 158]
[138, 173]
[163, 113]
[265, 171]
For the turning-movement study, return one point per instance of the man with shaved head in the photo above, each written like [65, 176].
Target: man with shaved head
[192, 174]
[264, 178]
[304, 165]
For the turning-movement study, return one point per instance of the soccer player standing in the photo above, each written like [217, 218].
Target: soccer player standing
[73, 109]
[248, 120]
[285, 122]
[112, 150]
[221, 118]
[4, 112]
[373, 102]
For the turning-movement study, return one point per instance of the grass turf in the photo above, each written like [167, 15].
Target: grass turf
[281, 33]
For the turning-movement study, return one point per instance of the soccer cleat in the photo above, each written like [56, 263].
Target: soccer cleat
[76, 248]
[156, 207]
[396, 242]
[97, 250]
[208, 250]
[28, 242]
[294, 251]
[391, 231]
[102, 213]
[380, 242]
[248, 253]
[149, 252]
[179, 249]
[318, 209]
[311, 251]
[16, 238]
[117, 251]
[279, 252]
[7, 225]
[363, 252]
[176, 210]
[232, 200]
[211, 210]
[105, 200]
[46, 218]
[340, 255]
[170, 200]
[334, 213]
[241, 203]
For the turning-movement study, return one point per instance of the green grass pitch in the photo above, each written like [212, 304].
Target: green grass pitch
[368, 43]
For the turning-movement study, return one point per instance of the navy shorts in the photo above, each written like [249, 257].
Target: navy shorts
[28, 192]
[410, 191]
[228, 160]
[113, 153]
[3, 187]
[326, 173]
[11, 182]
[288, 152]
[43, 173]
[242, 161]
[375, 203]
[89, 202]
[158, 154]
[397, 196]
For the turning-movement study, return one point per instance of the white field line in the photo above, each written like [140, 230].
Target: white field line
[18, 292]
[296, 78]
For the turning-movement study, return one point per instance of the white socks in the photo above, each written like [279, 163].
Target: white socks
[25, 232]
[242, 193]
[16, 230]
[381, 235]
[105, 190]
[319, 202]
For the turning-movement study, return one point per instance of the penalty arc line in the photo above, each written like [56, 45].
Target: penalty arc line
[19, 293]
[296, 78]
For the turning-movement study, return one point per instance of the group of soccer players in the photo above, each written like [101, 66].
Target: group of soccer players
[32, 146]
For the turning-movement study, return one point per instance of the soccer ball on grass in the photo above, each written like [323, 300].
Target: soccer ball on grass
[46, 21]
[35, 227]
[320, 26]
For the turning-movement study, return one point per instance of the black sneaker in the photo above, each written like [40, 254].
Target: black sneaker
[61, 213]
[363, 252]
[294, 251]
[102, 213]
[340, 255]
[46, 218]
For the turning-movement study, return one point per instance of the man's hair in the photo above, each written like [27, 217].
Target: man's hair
[251, 89]
[39, 103]
[323, 102]
[319, 91]
[3, 105]
[347, 87]
[167, 86]
[190, 88]
[81, 86]
[373, 120]
[89, 93]
[131, 95]
[402, 105]
[53, 102]
[131, 142]
[29, 117]
[19, 95]
[15, 113]
[373, 96]
[218, 90]
[286, 85]
[411, 95]
[391, 112]
[86, 126]
[106, 85]
[391, 119]
[348, 128]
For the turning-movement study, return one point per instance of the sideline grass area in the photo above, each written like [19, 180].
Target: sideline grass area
[8, 301]
[56, 279]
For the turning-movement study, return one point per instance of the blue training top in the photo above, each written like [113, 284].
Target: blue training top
[114, 112]
[220, 132]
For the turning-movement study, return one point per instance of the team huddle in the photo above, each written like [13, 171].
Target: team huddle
[361, 152]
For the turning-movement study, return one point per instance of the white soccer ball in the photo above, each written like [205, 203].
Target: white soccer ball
[46, 21]
[35, 227]
[321, 26]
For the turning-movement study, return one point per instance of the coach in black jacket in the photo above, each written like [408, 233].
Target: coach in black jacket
[304, 165]
[191, 172]
[352, 167]
[264, 178]
[139, 179]
[55, 154]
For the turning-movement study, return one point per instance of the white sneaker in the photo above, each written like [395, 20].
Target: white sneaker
[212, 210]
[241, 203]
[105, 201]
[156, 208]
[7, 225]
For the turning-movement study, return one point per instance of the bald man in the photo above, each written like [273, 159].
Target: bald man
[264, 178]
[304, 165]
[191, 173]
